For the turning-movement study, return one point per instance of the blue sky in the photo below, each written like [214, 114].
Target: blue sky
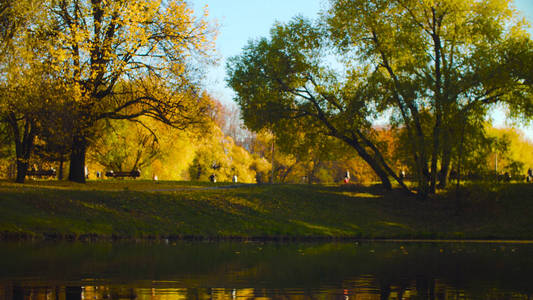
[243, 20]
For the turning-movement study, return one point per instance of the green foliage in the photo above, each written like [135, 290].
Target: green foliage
[287, 85]
[125, 146]
[439, 65]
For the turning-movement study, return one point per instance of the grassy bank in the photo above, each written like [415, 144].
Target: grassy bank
[143, 209]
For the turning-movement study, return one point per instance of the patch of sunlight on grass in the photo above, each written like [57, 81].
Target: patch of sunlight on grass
[353, 226]
[393, 224]
[360, 195]
[322, 229]
[239, 207]
[33, 186]
[367, 195]
[96, 206]
[247, 203]
[111, 185]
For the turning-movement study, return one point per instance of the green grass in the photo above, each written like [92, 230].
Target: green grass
[144, 209]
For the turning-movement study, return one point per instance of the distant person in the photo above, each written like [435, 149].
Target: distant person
[98, 174]
[213, 178]
[347, 176]
[234, 178]
[155, 177]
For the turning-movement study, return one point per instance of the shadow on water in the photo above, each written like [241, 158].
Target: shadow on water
[230, 270]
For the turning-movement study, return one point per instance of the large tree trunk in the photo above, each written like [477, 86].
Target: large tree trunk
[379, 159]
[424, 183]
[445, 167]
[374, 164]
[422, 166]
[61, 163]
[22, 167]
[422, 172]
[77, 159]
[311, 173]
[23, 143]
[435, 154]
[383, 176]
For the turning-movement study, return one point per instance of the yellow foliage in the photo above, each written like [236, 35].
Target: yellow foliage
[182, 155]
[520, 149]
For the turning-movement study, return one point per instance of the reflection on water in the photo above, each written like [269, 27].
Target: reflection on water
[438, 290]
[265, 271]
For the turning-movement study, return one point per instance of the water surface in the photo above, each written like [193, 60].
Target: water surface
[235, 270]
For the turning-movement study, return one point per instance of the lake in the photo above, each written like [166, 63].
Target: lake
[254, 270]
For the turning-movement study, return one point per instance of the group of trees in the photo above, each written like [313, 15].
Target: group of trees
[436, 68]
[116, 85]
[69, 66]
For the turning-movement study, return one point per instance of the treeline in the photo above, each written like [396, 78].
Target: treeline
[117, 85]
[225, 148]
[323, 159]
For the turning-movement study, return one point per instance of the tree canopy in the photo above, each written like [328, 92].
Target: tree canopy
[435, 65]
[127, 59]
[110, 60]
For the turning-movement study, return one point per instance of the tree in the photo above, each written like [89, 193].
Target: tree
[6, 152]
[28, 83]
[510, 152]
[310, 148]
[218, 155]
[276, 164]
[228, 118]
[125, 146]
[287, 77]
[438, 64]
[55, 134]
[126, 59]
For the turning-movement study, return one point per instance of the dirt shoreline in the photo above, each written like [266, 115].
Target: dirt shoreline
[10, 237]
